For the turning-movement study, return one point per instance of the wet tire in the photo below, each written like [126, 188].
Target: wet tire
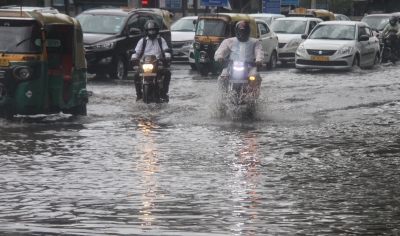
[193, 66]
[119, 69]
[146, 93]
[204, 69]
[6, 113]
[80, 110]
[272, 61]
[356, 61]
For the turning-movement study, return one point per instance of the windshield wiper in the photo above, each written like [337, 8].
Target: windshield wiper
[16, 45]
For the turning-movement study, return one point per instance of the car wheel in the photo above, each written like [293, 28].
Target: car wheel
[272, 61]
[356, 61]
[80, 110]
[193, 66]
[119, 69]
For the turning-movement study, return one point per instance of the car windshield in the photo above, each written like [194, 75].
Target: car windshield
[289, 26]
[102, 24]
[376, 23]
[265, 19]
[183, 25]
[19, 36]
[333, 32]
[212, 27]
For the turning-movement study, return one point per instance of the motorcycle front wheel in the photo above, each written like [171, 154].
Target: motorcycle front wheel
[146, 93]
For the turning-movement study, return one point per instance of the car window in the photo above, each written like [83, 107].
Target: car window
[183, 25]
[103, 24]
[333, 32]
[311, 26]
[361, 31]
[288, 26]
[376, 23]
[133, 22]
[212, 27]
[142, 20]
[265, 19]
[160, 21]
[263, 29]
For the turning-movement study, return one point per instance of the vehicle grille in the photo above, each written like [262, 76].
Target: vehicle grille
[281, 45]
[321, 63]
[323, 52]
[177, 45]
[287, 54]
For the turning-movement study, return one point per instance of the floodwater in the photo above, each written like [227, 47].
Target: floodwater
[321, 156]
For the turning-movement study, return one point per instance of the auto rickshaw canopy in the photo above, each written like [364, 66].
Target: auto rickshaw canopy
[324, 15]
[231, 19]
[49, 19]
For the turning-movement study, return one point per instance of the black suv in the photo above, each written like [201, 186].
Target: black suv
[108, 41]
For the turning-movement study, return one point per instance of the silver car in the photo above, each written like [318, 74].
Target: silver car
[289, 31]
[267, 18]
[338, 45]
[182, 36]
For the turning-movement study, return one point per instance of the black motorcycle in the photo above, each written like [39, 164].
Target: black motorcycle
[152, 82]
[387, 44]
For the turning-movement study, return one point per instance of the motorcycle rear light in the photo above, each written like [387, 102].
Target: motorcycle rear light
[252, 78]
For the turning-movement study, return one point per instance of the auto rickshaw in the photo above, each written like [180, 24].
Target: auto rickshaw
[324, 15]
[42, 64]
[211, 30]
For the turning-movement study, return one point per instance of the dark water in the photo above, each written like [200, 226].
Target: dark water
[320, 157]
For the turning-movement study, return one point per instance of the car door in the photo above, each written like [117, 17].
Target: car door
[264, 35]
[367, 49]
[373, 44]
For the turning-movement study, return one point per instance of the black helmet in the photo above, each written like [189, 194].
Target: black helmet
[242, 31]
[151, 29]
[393, 20]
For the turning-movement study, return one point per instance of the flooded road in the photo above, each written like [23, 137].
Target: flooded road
[320, 157]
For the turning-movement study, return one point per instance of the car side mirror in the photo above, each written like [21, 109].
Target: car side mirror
[194, 22]
[364, 38]
[304, 36]
[134, 31]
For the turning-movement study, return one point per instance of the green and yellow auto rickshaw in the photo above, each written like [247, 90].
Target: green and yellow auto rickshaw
[211, 30]
[324, 15]
[42, 64]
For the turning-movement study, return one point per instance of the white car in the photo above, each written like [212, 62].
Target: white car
[338, 45]
[289, 31]
[268, 18]
[182, 36]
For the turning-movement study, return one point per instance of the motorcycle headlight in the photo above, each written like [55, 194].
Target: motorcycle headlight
[23, 72]
[215, 46]
[301, 48]
[294, 43]
[345, 50]
[196, 45]
[147, 68]
[251, 78]
[104, 46]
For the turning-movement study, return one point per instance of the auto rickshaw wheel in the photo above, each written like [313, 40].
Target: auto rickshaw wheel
[272, 61]
[204, 69]
[193, 66]
[118, 70]
[6, 113]
[81, 109]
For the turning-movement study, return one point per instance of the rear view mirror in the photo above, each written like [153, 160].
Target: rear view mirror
[364, 38]
[134, 31]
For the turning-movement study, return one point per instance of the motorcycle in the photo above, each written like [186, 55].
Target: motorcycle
[387, 42]
[240, 86]
[152, 82]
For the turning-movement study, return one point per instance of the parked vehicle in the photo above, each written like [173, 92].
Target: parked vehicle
[211, 30]
[267, 18]
[152, 82]
[42, 64]
[30, 9]
[388, 51]
[338, 45]
[377, 22]
[341, 17]
[289, 31]
[269, 42]
[182, 32]
[107, 37]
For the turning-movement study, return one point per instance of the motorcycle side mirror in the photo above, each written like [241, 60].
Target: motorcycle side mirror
[363, 38]
[304, 36]
[134, 31]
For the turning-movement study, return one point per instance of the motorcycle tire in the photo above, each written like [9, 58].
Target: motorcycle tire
[146, 93]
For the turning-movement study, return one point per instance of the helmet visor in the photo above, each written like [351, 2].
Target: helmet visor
[152, 31]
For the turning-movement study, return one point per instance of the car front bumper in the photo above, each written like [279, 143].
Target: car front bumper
[336, 61]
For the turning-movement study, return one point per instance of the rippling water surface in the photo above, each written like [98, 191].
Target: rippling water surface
[320, 157]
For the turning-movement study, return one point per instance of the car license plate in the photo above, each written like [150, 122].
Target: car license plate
[319, 58]
[4, 62]
[147, 74]
[207, 40]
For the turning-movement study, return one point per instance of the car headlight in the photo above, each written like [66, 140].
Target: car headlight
[196, 45]
[104, 46]
[147, 68]
[301, 48]
[294, 43]
[187, 43]
[345, 50]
